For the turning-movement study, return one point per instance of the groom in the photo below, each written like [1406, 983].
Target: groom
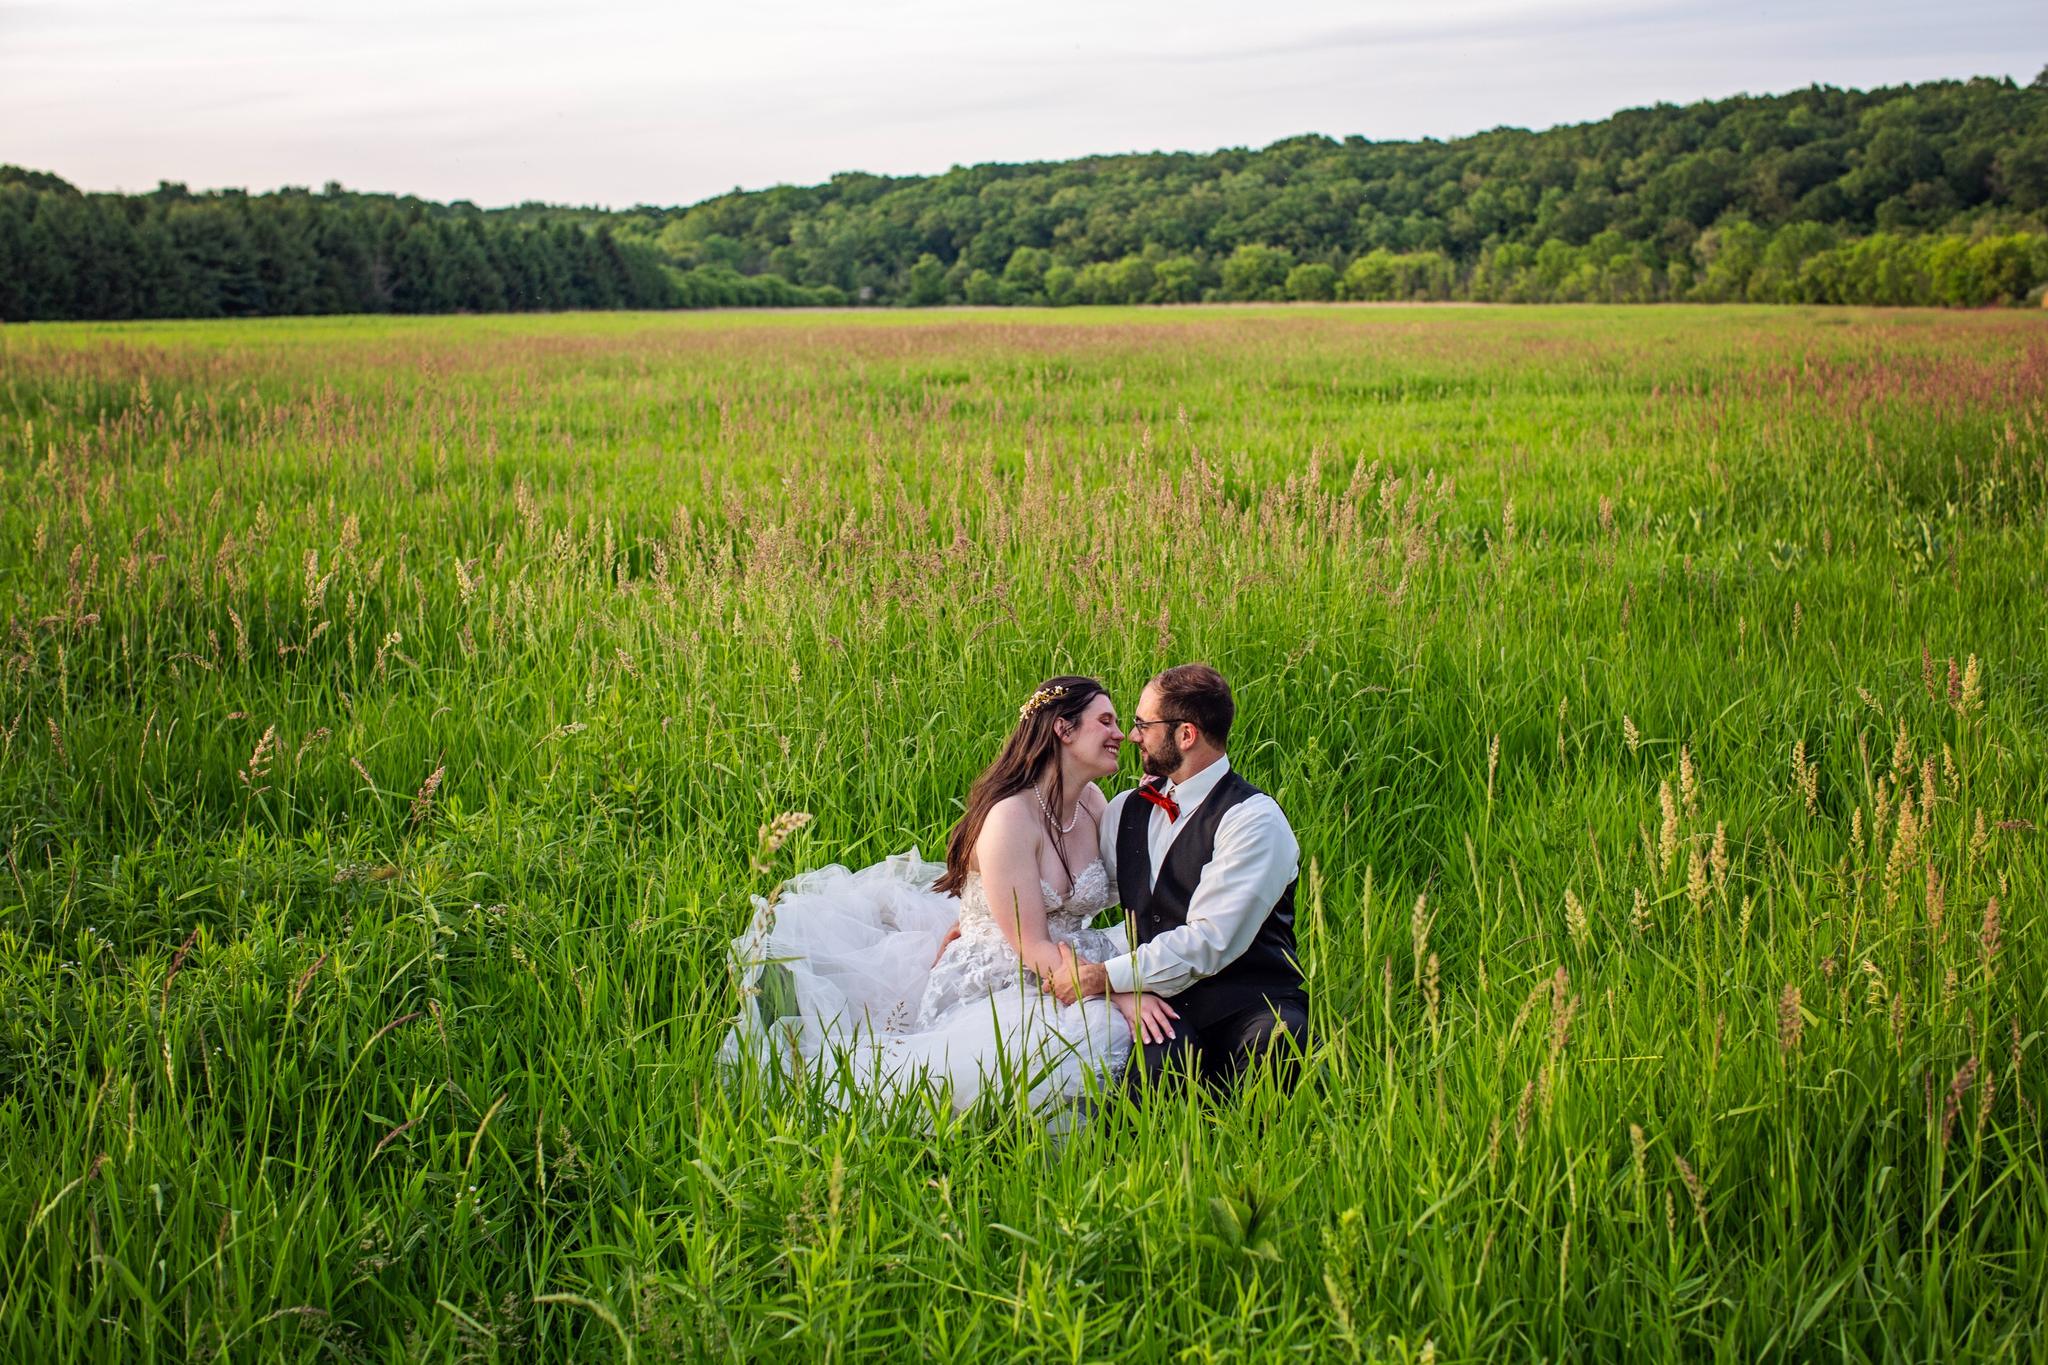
[1205, 865]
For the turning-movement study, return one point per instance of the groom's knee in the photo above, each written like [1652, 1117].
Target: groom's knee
[1274, 1034]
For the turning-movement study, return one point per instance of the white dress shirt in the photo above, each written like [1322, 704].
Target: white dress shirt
[1255, 858]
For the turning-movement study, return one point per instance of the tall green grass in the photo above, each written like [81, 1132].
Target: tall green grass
[390, 709]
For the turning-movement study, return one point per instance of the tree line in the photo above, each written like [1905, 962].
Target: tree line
[1926, 194]
[172, 253]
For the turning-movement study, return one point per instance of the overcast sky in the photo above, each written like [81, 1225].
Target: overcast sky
[630, 101]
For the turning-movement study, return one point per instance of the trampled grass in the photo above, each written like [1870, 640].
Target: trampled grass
[390, 708]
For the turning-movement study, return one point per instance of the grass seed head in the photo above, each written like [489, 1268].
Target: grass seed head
[775, 834]
[1695, 1188]
[1667, 833]
[1970, 696]
[1695, 878]
[1805, 776]
[1432, 993]
[423, 799]
[1418, 931]
[1958, 1086]
[260, 758]
[1791, 1021]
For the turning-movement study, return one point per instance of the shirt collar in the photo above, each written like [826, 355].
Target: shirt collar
[1187, 795]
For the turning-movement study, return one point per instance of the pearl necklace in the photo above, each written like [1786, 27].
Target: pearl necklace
[1067, 828]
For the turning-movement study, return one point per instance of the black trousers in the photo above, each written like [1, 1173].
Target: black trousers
[1223, 1049]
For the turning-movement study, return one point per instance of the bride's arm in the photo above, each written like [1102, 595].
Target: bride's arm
[1007, 853]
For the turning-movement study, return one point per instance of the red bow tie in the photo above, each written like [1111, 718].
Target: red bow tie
[1158, 798]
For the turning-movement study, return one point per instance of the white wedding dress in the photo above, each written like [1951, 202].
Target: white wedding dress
[838, 986]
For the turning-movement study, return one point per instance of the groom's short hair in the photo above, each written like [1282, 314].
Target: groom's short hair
[1199, 695]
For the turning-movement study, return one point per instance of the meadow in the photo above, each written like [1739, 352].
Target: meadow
[392, 711]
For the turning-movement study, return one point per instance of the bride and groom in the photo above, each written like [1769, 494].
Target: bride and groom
[988, 971]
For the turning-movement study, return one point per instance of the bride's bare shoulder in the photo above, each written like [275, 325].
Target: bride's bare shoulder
[1012, 818]
[1093, 800]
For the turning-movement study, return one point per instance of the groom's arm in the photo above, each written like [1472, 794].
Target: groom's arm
[1256, 856]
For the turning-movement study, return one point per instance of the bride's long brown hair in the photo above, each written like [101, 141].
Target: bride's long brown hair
[1031, 748]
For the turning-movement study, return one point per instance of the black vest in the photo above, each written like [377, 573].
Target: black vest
[1267, 970]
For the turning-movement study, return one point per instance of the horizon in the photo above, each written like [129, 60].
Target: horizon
[241, 97]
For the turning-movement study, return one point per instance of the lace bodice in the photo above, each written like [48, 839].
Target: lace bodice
[980, 962]
[1065, 920]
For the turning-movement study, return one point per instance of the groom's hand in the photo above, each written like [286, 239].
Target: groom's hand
[1076, 979]
[1065, 983]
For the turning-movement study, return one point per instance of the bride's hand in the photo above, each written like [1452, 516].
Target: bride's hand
[1150, 1017]
[946, 942]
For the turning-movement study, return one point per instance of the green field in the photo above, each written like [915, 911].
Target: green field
[391, 707]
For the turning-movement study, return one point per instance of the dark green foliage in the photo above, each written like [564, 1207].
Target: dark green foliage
[64, 255]
[1639, 206]
[1927, 194]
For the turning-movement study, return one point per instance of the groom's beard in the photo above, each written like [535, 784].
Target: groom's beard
[1156, 763]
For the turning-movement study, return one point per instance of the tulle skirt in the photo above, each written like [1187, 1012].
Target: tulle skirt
[832, 973]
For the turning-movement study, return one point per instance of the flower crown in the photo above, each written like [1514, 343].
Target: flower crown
[1044, 696]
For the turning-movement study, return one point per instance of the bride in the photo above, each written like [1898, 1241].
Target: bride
[837, 973]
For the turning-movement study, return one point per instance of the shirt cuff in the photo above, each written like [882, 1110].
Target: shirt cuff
[1122, 973]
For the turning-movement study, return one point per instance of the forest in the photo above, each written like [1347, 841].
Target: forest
[1931, 194]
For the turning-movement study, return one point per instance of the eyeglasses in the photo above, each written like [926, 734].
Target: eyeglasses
[1138, 725]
